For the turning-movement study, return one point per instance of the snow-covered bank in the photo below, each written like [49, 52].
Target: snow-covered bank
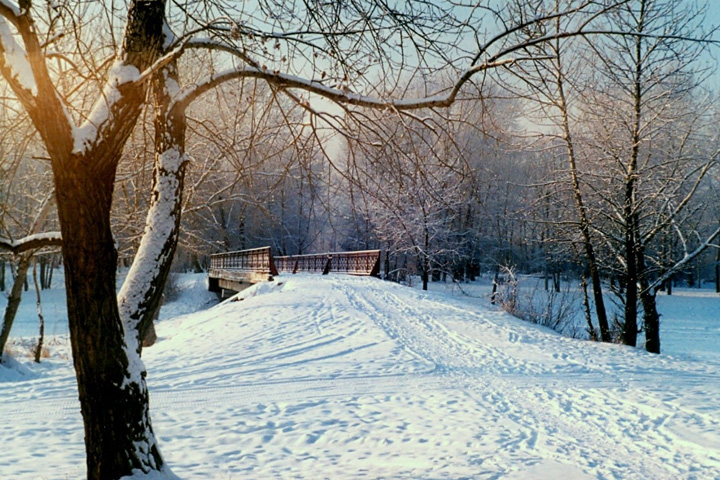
[342, 377]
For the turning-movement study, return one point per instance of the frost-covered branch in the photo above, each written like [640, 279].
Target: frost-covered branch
[687, 258]
[339, 95]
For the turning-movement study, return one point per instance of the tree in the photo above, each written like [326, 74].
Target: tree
[645, 81]
[111, 383]
[416, 182]
[549, 83]
[615, 109]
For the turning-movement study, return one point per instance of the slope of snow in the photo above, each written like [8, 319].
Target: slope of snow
[342, 378]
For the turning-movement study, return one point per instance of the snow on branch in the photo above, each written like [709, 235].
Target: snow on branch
[14, 60]
[8, 10]
[31, 242]
[87, 133]
[687, 257]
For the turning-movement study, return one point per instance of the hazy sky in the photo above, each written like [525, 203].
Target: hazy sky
[713, 20]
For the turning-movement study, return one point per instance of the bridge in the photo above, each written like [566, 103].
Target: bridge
[235, 271]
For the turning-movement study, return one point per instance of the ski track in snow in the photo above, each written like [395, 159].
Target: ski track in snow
[337, 377]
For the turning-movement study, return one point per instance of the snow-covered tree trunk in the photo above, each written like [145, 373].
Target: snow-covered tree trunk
[111, 379]
[141, 294]
[119, 439]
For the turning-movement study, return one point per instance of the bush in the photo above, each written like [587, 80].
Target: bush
[556, 310]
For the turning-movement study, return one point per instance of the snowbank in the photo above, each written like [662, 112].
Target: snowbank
[344, 378]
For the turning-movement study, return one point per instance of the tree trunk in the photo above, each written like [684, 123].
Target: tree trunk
[43, 272]
[425, 271]
[14, 300]
[584, 220]
[496, 281]
[630, 329]
[111, 379]
[387, 263]
[425, 259]
[114, 401]
[119, 440]
[651, 317]
[630, 215]
[632, 275]
[41, 334]
[53, 264]
[141, 295]
[586, 309]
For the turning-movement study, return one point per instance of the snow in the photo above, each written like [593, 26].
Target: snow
[11, 7]
[346, 377]
[38, 237]
[16, 58]
[86, 134]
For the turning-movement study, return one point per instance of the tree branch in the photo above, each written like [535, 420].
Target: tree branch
[31, 242]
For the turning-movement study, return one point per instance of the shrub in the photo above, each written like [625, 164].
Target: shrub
[556, 310]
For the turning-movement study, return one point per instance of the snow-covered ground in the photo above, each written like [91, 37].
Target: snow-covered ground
[338, 377]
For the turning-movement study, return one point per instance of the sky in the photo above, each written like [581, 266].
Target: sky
[712, 20]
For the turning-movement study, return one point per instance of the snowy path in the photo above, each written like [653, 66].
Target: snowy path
[344, 378]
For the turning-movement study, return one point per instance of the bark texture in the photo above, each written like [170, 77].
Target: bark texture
[111, 379]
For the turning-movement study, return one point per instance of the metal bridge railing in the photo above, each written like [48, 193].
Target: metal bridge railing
[365, 262]
[254, 260]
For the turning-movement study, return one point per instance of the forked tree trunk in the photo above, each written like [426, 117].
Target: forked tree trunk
[111, 380]
[119, 439]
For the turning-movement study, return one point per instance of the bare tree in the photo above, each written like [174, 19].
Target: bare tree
[549, 85]
[645, 82]
[640, 167]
